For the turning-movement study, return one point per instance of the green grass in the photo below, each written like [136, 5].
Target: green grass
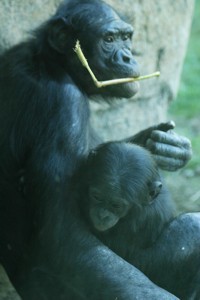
[188, 102]
[186, 108]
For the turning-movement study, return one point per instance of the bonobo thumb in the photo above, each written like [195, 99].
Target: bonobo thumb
[165, 126]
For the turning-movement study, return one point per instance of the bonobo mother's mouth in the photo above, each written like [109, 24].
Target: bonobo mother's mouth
[100, 84]
[124, 90]
[133, 87]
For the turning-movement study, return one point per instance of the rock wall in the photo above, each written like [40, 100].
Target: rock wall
[161, 35]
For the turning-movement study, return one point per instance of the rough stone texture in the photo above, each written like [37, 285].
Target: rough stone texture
[161, 35]
[19, 17]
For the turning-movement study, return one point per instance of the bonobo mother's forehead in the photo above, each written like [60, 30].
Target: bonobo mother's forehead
[106, 17]
[92, 16]
[116, 25]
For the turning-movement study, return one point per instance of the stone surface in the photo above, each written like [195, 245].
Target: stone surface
[19, 17]
[161, 35]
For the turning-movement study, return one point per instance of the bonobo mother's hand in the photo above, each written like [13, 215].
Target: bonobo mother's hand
[171, 151]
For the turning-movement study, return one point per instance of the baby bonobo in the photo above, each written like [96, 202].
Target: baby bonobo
[122, 196]
[125, 203]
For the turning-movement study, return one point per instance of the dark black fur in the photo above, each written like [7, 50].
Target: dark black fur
[122, 180]
[44, 132]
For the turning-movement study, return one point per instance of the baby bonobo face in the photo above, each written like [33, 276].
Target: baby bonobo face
[106, 209]
[124, 178]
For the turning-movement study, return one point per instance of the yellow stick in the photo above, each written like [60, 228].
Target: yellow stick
[84, 62]
[100, 84]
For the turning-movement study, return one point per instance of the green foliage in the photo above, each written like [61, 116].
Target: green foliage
[185, 110]
[188, 101]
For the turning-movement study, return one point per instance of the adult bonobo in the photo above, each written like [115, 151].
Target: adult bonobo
[45, 130]
[125, 203]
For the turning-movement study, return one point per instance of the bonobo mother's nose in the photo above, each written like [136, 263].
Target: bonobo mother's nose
[124, 59]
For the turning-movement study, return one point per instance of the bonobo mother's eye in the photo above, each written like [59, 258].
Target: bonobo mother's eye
[109, 38]
[127, 36]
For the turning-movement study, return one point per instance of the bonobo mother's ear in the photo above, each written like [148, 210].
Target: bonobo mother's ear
[61, 35]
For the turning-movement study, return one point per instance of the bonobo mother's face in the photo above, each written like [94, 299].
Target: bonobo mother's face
[108, 48]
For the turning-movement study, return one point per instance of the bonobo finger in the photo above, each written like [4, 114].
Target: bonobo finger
[165, 126]
[169, 164]
[167, 150]
[171, 138]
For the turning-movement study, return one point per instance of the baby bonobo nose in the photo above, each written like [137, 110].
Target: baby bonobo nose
[155, 189]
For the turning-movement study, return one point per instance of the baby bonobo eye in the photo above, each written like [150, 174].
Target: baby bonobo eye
[154, 189]
[116, 205]
[119, 207]
[95, 196]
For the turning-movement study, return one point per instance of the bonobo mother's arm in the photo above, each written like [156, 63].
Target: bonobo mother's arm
[171, 151]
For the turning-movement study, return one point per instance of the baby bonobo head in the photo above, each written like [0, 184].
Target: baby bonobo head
[120, 178]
